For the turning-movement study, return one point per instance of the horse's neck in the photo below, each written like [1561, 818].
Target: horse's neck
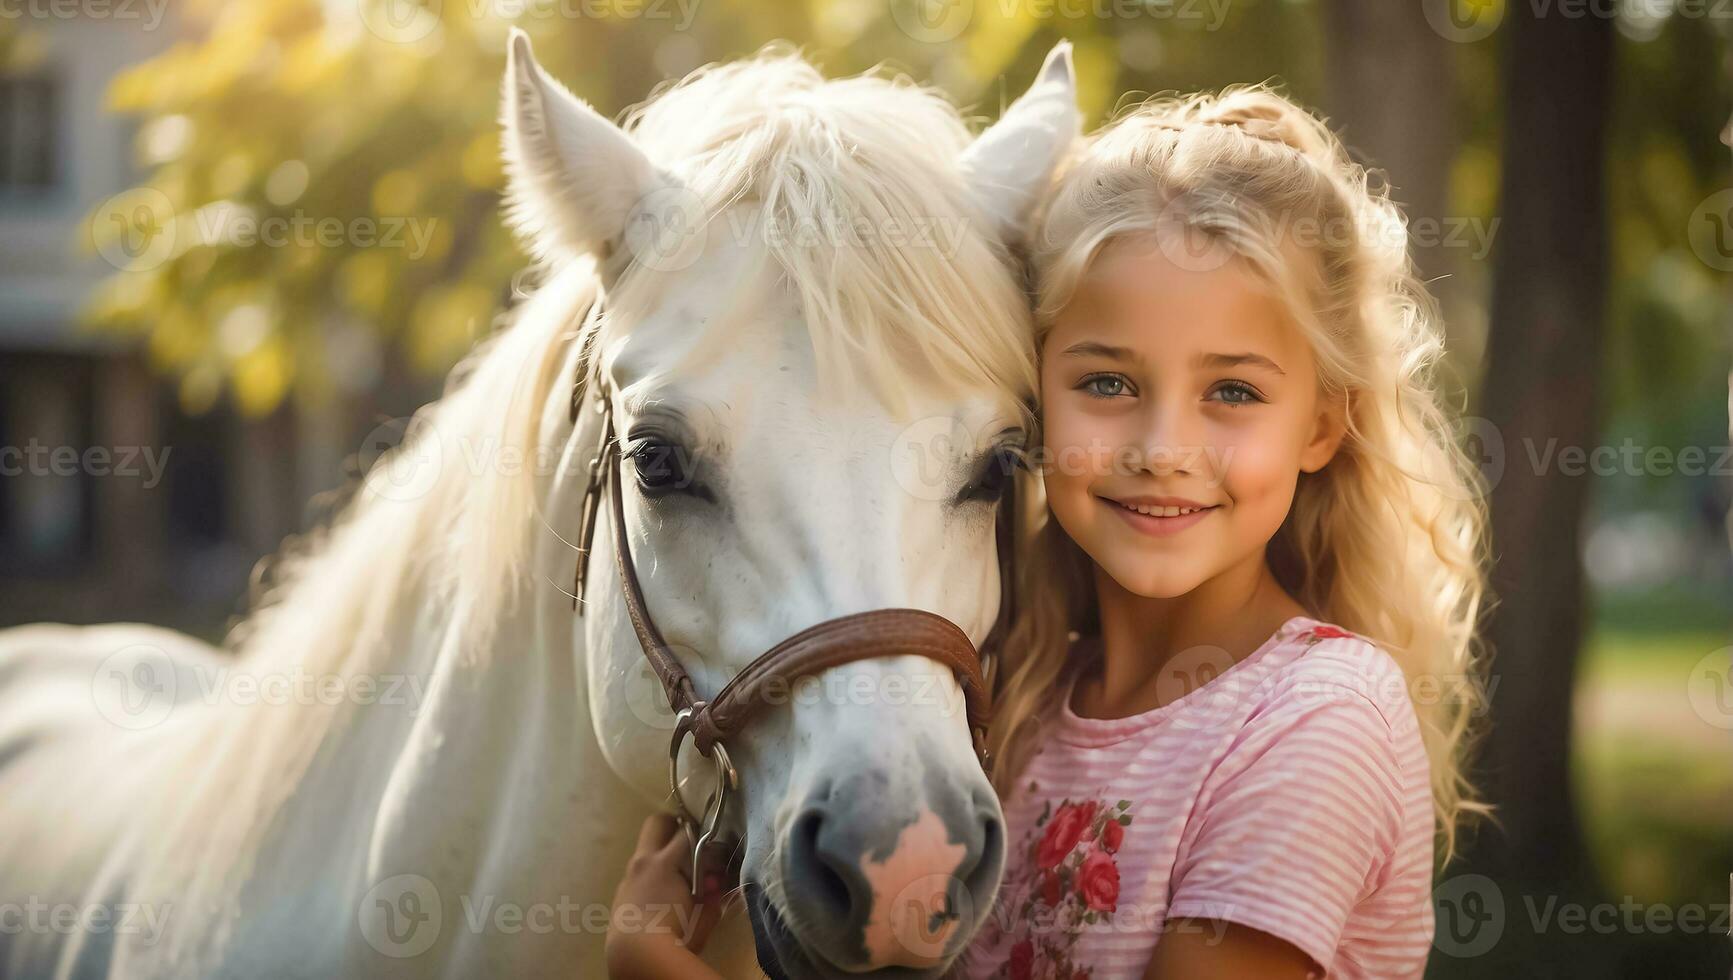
[494, 789]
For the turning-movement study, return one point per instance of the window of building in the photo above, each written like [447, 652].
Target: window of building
[28, 132]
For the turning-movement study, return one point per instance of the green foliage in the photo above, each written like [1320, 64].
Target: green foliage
[358, 110]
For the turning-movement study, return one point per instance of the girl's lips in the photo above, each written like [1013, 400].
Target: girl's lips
[1157, 526]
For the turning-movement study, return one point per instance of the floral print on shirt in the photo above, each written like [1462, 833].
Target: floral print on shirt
[1072, 883]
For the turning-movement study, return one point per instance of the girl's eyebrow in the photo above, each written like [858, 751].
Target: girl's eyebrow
[1247, 359]
[1091, 348]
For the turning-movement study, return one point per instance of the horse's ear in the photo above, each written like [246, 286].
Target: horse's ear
[1009, 165]
[574, 178]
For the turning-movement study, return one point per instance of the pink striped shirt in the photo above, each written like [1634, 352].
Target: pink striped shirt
[1289, 794]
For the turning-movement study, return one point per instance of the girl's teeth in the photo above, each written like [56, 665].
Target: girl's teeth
[1162, 511]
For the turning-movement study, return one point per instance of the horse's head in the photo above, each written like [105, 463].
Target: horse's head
[820, 362]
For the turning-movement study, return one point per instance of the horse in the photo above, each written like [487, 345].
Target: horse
[413, 758]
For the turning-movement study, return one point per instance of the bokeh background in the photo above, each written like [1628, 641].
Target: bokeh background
[241, 241]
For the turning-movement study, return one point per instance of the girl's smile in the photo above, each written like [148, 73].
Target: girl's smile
[1159, 516]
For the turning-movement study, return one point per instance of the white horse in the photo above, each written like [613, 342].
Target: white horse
[420, 760]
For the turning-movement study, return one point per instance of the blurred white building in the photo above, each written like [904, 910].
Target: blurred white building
[113, 504]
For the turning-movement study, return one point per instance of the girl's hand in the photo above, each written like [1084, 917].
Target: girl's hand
[657, 929]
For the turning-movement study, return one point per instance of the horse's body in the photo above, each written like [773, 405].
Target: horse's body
[422, 762]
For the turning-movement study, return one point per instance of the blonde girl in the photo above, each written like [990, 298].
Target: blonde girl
[1229, 726]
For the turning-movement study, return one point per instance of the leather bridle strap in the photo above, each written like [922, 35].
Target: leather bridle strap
[769, 680]
[676, 683]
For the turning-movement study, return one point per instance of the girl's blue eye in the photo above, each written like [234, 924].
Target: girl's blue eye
[1104, 385]
[1237, 393]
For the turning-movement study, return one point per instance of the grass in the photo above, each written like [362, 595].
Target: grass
[1654, 776]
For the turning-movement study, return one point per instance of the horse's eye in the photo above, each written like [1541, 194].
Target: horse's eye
[662, 467]
[995, 475]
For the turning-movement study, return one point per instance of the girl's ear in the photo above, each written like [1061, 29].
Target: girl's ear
[1328, 429]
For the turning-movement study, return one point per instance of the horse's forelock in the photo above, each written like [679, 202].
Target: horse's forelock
[864, 210]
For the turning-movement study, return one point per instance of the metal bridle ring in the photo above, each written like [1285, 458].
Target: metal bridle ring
[701, 833]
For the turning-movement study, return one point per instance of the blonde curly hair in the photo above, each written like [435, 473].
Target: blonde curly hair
[1388, 540]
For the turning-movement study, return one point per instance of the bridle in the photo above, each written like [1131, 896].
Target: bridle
[846, 639]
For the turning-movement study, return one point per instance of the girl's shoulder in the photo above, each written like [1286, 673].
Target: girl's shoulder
[1323, 663]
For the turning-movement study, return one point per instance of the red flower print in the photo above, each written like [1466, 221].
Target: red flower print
[1050, 889]
[1022, 960]
[1067, 828]
[1331, 633]
[1112, 835]
[1098, 881]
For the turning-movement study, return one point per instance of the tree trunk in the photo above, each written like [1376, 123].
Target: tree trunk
[1541, 392]
[1388, 82]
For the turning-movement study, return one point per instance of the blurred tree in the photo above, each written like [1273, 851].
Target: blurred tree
[1391, 98]
[1544, 357]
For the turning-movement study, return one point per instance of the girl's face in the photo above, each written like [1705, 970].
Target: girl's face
[1179, 407]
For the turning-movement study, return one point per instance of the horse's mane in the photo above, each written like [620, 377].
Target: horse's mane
[820, 160]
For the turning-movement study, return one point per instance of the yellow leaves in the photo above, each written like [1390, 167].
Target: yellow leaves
[1096, 60]
[261, 377]
[447, 321]
[286, 183]
[177, 339]
[995, 41]
[364, 281]
[199, 389]
[397, 193]
[480, 164]
[309, 63]
[164, 139]
[232, 174]
[837, 23]
[438, 244]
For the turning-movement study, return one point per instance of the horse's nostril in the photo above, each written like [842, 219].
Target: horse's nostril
[990, 832]
[825, 874]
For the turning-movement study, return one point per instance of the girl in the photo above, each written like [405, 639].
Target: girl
[1229, 725]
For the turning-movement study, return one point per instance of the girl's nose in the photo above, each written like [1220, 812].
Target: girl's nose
[1171, 442]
